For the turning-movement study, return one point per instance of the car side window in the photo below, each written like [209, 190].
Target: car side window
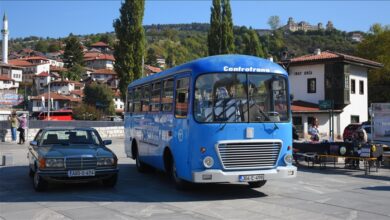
[95, 138]
[38, 136]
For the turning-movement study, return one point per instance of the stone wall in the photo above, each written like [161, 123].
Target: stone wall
[106, 130]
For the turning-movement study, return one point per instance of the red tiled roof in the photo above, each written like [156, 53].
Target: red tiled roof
[329, 55]
[55, 96]
[5, 78]
[100, 57]
[77, 92]
[91, 54]
[57, 69]
[153, 69]
[43, 74]
[35, 58]
[20, 62]
[99, 44]
[302, 106]
[104, 71]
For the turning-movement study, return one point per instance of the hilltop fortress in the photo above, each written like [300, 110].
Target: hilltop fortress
[305, 26]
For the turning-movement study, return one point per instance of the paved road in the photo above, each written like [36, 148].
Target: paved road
[314, 194]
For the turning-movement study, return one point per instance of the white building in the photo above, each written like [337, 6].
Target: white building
[118, 103]
[10, 77]
[99, 61]
[65, 87]
[330, 76]
[102, 75]
[30, 69]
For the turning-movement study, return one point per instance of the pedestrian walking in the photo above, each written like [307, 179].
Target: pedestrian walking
[14, 125]
[22, 128]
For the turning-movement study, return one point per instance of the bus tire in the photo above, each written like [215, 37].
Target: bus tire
[180, 184]
[257, 184]
[141, 167]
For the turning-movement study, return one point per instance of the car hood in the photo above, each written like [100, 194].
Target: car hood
[74, 151]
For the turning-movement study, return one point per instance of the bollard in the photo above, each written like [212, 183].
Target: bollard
[6, 160]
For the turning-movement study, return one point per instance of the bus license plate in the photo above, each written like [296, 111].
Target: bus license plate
[74, 173]
[251, 178]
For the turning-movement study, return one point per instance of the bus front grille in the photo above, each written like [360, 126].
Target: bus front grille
[81, 163]
[249, 155]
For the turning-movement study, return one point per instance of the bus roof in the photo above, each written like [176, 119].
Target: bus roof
[218, 63]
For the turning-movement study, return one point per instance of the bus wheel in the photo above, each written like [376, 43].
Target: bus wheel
[179, 183]
[257, 184]
[141, 167]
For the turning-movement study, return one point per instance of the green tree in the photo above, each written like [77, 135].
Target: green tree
[129, 50]
[42, 46]
[151, 57]
[376, 46]
[86, 112]
[170, 61]
[74, 73]
[54, 47]
[274, 22]
[215, 35]
[101, 97]
[107, 38]
[227, 42]
[73, 53]
[252, 44]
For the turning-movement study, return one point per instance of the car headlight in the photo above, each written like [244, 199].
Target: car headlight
[54, 162]
[106, 161]
[343, 150]
[208, 162]
[288, 159]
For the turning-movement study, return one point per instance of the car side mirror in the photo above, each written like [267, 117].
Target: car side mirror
[107, 142]
[34, 143]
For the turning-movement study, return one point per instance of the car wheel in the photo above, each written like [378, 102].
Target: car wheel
[179, 183]
[257, 184]
[39, 183]
[110, 182]
[31, 173]
[141, 167]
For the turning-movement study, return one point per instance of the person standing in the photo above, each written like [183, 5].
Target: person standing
[14, 124]
[22, 128]
[313, 131]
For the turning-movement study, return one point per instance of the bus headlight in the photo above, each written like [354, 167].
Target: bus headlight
[343, 150]
[288, 159]
[208, 162]
[373, 148]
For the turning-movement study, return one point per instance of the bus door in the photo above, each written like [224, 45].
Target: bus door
[180, 140]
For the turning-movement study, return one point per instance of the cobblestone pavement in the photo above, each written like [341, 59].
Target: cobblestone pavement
[315, 194]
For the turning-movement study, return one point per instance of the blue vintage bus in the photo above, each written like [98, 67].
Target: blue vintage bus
[217, 119]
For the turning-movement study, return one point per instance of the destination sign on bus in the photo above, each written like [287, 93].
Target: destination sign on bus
[245, 69]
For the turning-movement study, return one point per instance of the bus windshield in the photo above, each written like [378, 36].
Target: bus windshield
[241, 97]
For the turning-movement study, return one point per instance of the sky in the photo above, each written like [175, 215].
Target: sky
[55, 18]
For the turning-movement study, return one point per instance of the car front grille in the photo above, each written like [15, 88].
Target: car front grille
[81, 163]
[249, 155]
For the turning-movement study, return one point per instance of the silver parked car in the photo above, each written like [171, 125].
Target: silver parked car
[71, 155]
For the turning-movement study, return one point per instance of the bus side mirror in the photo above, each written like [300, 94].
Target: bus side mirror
[181, 97]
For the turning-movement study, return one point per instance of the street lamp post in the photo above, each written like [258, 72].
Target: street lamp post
[48, 100]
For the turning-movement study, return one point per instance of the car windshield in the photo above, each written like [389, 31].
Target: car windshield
[241, 97]
[68, 137]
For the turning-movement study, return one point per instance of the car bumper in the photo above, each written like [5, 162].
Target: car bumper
[219, 176]
[62, 175]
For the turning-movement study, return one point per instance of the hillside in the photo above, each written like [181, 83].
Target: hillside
[183, 42]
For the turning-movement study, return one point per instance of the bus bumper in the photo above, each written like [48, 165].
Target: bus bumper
[219, 176]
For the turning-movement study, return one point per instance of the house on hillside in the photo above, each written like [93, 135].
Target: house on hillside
[333, 76]
[30, 69]
[100, 46]
[10, 77]
[99, 61]
[58, 101]
[64, 87]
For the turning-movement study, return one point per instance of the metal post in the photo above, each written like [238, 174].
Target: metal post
[48, 101]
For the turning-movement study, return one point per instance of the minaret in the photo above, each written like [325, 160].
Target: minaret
[4, 31]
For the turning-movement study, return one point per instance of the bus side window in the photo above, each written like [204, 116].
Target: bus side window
[167, 96]
[130, 101]
[137, 100]
[156, 97]
[145, 98]
[182, 92]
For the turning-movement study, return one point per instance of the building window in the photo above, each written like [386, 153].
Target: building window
[353, 87]
[311, 85]
[361, 87]
[355, 119]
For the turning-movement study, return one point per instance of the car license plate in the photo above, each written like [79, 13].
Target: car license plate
[251, 178]
[74, 173]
